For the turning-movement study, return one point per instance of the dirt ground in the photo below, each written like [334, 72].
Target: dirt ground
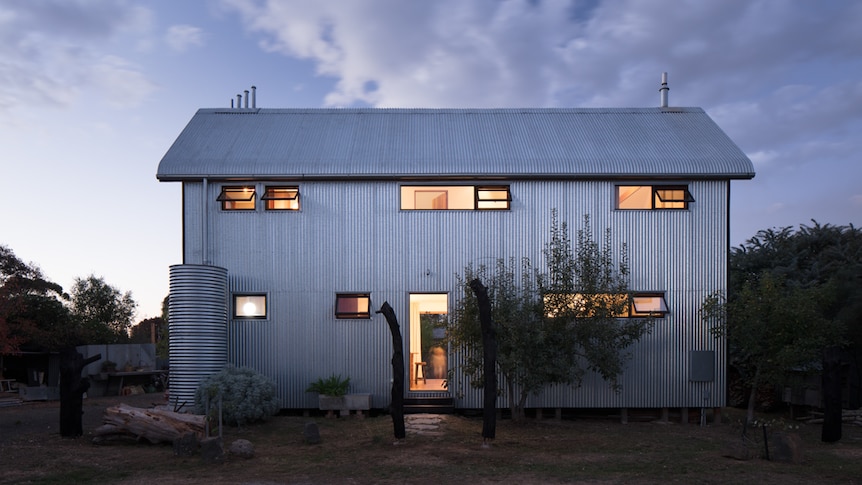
[358, 451]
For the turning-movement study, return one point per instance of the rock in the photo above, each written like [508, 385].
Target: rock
[786, 448]
[186, 445]
[212, 450]
[311, 433]
[242, 448]
[738, 451]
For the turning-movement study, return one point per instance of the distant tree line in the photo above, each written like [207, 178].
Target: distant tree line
[38, 315]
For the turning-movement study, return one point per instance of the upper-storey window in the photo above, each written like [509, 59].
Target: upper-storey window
[281, 198]
[455, 197]
[237, 198]
[653, 197]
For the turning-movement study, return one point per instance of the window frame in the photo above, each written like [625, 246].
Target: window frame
[478, 189]
[661, 313]
[574, 304]
[235, 297]
[271, 198]
[358, 315]
[226, 199]
[655, 196]
[480, 202]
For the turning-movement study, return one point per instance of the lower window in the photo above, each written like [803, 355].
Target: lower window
[249, 306]
[353, 305]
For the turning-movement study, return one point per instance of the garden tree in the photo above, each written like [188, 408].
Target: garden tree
[105, 313]
[817, 256]
[771, 328]
[553, 323]
[32, 312]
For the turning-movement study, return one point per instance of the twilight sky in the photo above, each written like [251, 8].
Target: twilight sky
[93, 93]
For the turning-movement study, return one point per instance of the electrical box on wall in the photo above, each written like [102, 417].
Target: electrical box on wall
[702, 365]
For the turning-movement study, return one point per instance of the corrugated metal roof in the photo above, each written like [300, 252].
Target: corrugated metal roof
[453, 143]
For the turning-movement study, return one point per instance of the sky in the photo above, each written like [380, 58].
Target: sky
[93, 93]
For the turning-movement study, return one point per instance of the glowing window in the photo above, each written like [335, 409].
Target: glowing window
[249, 306]
[237, 198]
[493, 198]
[353, 305]
[653, 197]
[618, 305]
[455, 197]
[646, 305]
[281, 198]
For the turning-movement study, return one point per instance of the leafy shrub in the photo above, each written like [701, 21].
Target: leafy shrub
[333, 385]
[246, 395]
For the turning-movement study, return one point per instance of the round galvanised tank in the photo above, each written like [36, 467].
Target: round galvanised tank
[197, 320]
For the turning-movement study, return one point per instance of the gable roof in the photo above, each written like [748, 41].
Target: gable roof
[436, 144]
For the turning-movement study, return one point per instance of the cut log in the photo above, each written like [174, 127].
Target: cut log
[154, 425]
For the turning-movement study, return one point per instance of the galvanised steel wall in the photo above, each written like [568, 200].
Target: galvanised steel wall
[352, 237]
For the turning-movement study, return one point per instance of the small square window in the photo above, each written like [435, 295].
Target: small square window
[281, 198]
[353, 305]
[249, 306]
[649, 305]
[237, 198]
[493, 198]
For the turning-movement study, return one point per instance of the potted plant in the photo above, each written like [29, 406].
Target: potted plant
[331, 392]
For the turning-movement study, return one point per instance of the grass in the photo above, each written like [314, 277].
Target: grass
[363, 451]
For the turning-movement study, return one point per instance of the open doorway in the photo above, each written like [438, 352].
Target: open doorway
[428, 355]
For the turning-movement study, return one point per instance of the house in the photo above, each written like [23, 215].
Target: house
[299, 223]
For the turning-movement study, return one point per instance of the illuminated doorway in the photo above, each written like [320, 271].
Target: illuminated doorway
[428, 355]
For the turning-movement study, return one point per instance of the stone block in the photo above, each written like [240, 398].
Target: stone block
[186, 445]
[311, 433]
[786, 448]
[212, 450]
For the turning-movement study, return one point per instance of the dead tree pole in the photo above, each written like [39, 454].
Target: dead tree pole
[72, 389]
[831, 384]
[489, 361]
[397, 405]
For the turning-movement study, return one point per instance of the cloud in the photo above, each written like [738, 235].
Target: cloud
[549, 53]
[122, 83]
[181, 37]
[52, 50]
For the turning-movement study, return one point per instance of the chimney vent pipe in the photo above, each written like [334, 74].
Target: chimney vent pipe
[663, 90]
[239, 101]
[253, 97]
[246, 99]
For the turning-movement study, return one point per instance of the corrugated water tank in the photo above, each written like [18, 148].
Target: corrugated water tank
[197, 321]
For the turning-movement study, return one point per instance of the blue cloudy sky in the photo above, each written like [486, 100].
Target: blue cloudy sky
[93, 92]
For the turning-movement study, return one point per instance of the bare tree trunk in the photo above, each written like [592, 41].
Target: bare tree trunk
[397, 405]
[752, 397]
[72, 389]
[831, 385]
[489, 361]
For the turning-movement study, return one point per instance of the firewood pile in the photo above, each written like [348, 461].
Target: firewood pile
[847, 416]
[156, 425]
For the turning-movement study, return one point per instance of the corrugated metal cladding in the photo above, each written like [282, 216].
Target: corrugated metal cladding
[197, 320]
[404, 143]
[352, 237]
